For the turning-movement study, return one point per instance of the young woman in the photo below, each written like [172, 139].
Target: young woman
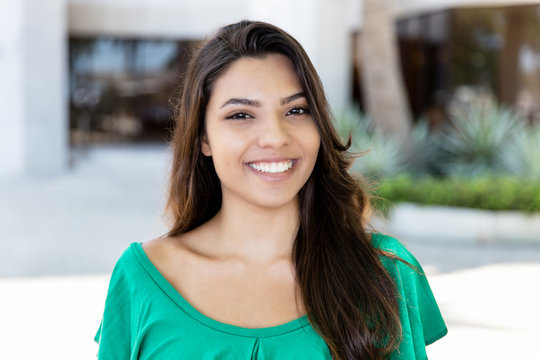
[267, 256]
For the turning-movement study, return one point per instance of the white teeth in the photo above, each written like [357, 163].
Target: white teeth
[273, 168]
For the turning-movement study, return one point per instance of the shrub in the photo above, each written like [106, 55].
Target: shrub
[489, 159]
[487, 192]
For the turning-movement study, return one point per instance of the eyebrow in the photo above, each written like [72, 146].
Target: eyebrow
[255, 103]
[291, 98]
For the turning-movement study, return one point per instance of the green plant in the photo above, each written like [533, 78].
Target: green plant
[379, 156]
[524, 157]
[480, 139]
[424, 155]
[490, 192]
[484, 139]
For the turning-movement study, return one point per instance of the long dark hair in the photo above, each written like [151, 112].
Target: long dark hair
[348, 295]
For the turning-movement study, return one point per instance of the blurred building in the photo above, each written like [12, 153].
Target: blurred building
[479, 49]
[84, 72]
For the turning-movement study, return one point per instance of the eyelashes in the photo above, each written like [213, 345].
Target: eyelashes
[239, 116]
[296, 111]
[299, 111]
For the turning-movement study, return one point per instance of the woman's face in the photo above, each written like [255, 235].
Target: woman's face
[259, 132]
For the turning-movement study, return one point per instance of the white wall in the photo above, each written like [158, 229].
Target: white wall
[11, 88]
[153, 18]
[46, 102]
[33, 105]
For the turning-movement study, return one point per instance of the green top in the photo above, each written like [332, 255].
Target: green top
[146, 318]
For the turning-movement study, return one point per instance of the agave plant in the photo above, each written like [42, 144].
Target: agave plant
[481, 139]
[424, 155]
[524, 157]
[381, 156]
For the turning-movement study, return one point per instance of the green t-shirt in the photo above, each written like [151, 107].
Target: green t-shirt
[146, 318]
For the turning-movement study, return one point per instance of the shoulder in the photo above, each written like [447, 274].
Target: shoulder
[137, 262]
[157, 250]
[420, 316]
[175, 257]
[393, 248]
[128, 268]
[180, 249]
[127, 259]
[400, 263]
[196, 244]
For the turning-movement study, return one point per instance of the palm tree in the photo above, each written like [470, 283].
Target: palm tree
[382, 83]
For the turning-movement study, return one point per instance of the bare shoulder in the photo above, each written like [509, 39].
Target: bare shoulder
[181, 248]
[180, 259]
[158, 247]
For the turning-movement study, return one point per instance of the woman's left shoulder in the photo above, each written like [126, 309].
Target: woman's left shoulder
[393, 247]
[420, 315]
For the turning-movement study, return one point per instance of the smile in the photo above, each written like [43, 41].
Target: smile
[272, 167]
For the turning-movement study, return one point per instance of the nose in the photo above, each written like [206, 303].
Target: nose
[274, 133]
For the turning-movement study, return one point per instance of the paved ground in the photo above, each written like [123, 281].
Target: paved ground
[60, 236]
[78, 222]
[489, 297]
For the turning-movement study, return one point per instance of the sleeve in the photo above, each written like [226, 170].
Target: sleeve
[421, 320]
[114, 332]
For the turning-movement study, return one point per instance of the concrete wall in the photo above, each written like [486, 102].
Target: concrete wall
[186, 19]
[11, 88]
[33, 100]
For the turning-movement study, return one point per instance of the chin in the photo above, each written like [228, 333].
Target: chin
[275, 202]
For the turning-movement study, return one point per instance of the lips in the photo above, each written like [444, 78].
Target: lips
[272, 167]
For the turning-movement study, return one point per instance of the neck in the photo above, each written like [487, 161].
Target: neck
[256, 235]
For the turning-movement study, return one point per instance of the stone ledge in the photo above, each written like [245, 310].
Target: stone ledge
[453, 224]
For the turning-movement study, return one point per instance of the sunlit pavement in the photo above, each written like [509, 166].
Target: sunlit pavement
[50, 318]
[79, 223]
[488, 295]
[491, 312]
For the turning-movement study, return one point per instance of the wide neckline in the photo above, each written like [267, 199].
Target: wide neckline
[175, 296]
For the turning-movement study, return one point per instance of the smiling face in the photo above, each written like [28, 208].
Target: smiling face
[259, 132]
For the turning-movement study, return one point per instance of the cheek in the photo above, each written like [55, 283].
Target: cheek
[312, 141]
[227, 148]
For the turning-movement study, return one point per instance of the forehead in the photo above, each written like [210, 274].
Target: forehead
[271, 74]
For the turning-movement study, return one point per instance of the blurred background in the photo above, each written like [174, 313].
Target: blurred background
[443, 95]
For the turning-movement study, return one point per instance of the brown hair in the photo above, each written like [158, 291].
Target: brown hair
[349, 297]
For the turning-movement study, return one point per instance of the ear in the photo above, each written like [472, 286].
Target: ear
[205, 146]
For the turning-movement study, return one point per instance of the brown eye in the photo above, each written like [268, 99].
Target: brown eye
[239, 116]
[298, 111]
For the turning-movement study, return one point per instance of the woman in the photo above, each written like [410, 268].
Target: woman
[267, 256]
